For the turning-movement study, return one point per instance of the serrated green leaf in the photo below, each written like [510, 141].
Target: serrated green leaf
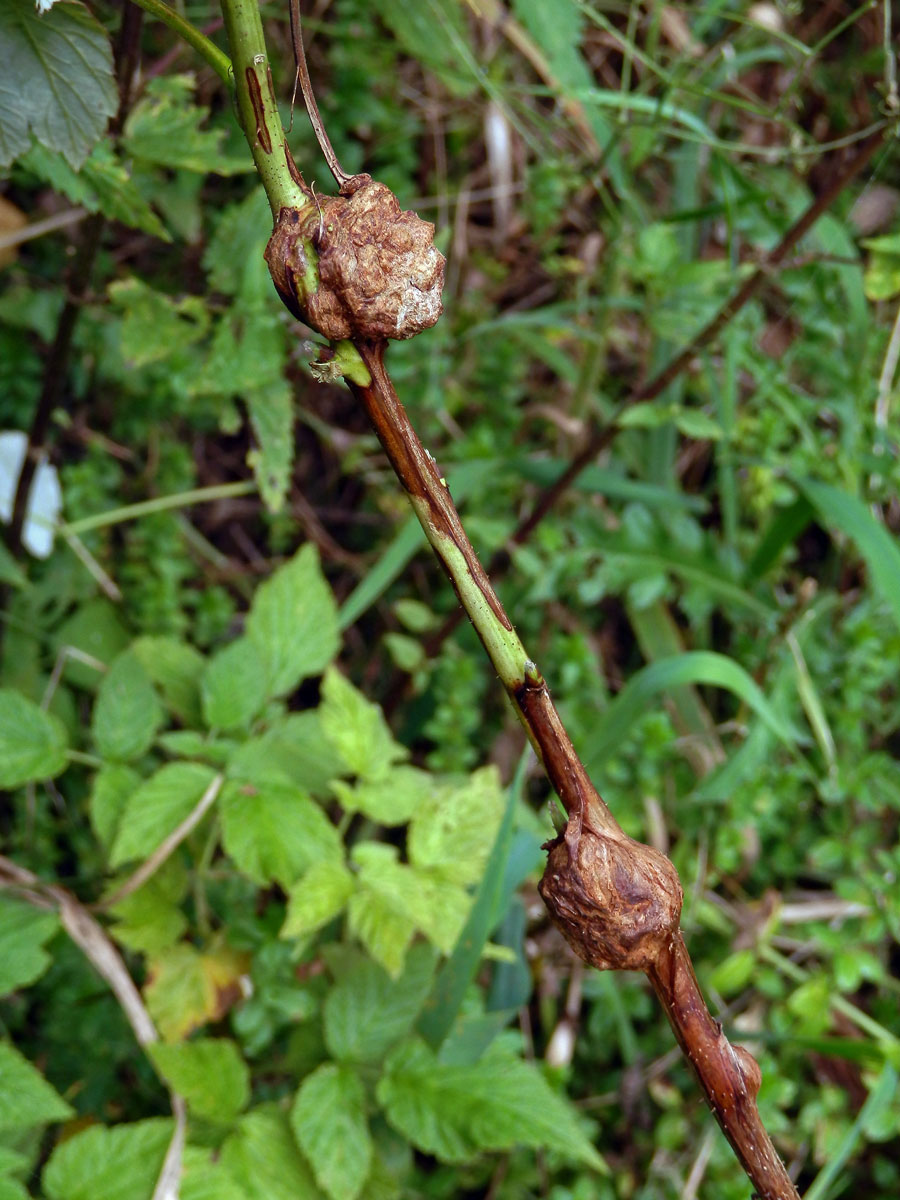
[454, 1112]
[175, 668]
[233, 687]
[234, 256]
[150, 920]
[263, 1156]
[357, 728]
[208, 1072]
[293, 749]
[164, 128]
[205, 1177]
[317, 898]
[433, 32]
[393, 899]
[391, 799]
[329, 1121]
[33, 743]
[454, 828]
[23, 931]
[274, 831]
[57, 80]
[556, 30]
[157, 807]
[366, 1012]
[113, 785]
[26, 1098]
[127, 712]
[101, 185]
[293, 622]
[271, 412]
[185, 988]
[100, 1163]
[154, 327]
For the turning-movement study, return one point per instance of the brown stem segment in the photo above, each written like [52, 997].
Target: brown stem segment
[729, 1075]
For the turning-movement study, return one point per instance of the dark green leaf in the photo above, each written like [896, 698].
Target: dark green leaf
[329, 1122]
[57, 80]
[121, 1163]
[25, 1096]
[127, 712]
[33, 743]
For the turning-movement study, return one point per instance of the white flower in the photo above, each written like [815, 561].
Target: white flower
[44, 500]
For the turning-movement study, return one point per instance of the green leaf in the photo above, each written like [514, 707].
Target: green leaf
[94, 629]
[102, 185]
[113, 785]
[293, 622]
[175, 668]
[454, 1112]
[23, 931]
[233, 686]
[11, 1189]
[390, 799]
[880, 1100]
[694, 666]
[155, 328]
[274, 831]
[434, 34]
[57, 80]
[453, 829]
[205, 1177]
[208, 1072]
[121, 1163]
[317, 898]
[186, 988]
[127, 712]
[366, 1012]
[293, 749]
[150, 920]
[263, 1156]
[357, 728]
[157, 807]
[271, 410]
[556, 30]
[26, 1098]
[380, 913]
[164, 128]
[874, 543]
[33, 743]
[329, 1122]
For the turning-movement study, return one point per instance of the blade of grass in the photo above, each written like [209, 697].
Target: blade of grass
[458, 971]
[827, 1185]
[851, 516]
[692, 667]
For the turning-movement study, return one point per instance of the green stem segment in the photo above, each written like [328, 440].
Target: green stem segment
[191, 34]
[258, 110]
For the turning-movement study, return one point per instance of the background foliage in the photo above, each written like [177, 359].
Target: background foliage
[356, 990]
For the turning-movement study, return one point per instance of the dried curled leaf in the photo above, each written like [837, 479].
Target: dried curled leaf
[615, 900]
[379, 273]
